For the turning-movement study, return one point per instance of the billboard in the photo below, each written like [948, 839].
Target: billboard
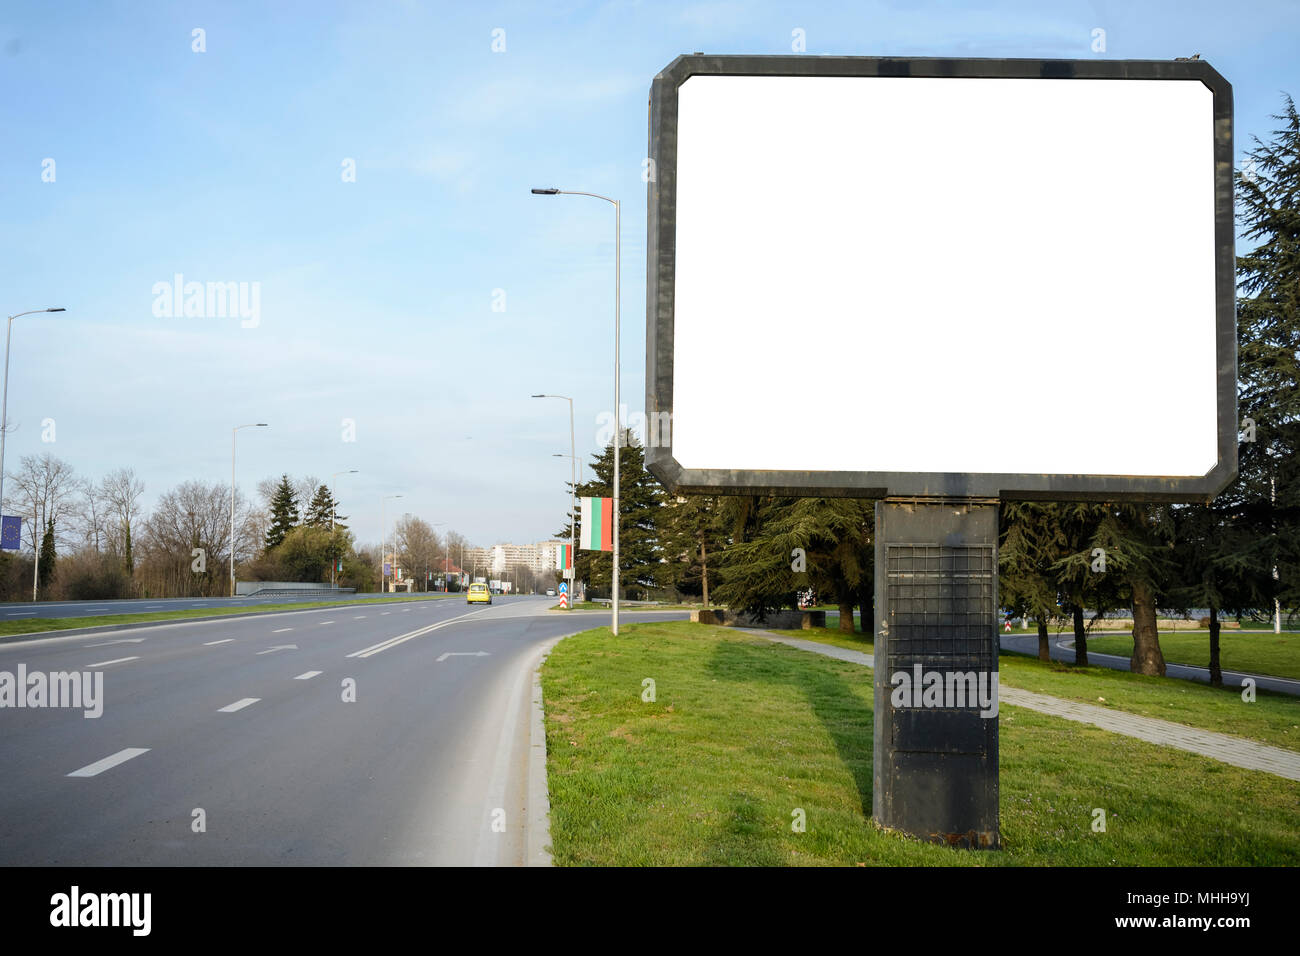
[941, 277]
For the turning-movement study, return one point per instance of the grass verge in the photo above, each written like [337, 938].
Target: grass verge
[1270, 718]
[39, 625]
[742, 733]
[1255, 652]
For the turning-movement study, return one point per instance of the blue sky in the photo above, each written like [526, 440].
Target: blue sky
[376, 296]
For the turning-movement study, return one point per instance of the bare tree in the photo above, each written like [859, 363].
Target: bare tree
[418, 548]
[184, 545]
[91, 513]
[305, 488]
[120, 492]
[44, 490]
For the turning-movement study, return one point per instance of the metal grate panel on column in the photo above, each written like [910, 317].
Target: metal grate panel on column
[940, 607]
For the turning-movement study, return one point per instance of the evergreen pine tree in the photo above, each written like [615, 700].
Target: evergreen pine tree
[781, 546]
[323, 505]
[46, 574]
[284, 513]
[691, 537]
[640, 505]
[1265, 499]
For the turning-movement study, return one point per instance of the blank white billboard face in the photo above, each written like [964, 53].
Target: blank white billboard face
[916, 274]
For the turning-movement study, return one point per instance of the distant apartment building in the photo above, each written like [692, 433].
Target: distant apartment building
[498, 559]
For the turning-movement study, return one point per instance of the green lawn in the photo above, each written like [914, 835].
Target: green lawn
[743, 732]
[1258, 652]
[36, 625]
[1270, 718]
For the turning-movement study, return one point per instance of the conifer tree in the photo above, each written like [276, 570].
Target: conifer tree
[284, 513]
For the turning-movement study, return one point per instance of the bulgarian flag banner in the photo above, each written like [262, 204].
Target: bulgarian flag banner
[563, 557]
[597, 524]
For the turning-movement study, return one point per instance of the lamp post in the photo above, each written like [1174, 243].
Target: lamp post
[233, 433]
[334, 558]
[1277, 602]
[4, 417]
[383, 543]
[618, 418]
[573, 492]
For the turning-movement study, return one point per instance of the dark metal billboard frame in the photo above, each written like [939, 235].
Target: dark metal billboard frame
[660, 286]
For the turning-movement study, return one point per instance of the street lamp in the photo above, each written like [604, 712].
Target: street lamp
[618, 418]
[383, 543]
[4, 421]
[334, 559]
[573, 491]
[233, 433]
[559, 454]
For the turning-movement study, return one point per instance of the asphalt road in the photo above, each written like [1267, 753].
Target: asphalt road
[1061, 648]
[245, 720]
[13, 611]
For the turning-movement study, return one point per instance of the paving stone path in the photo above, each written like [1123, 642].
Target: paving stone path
[1222, 747]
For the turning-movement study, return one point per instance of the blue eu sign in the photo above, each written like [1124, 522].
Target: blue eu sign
[11, 530]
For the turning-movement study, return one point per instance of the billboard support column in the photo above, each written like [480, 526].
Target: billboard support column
[936, 664]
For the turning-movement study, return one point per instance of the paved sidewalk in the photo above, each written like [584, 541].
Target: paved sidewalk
[1222, 747]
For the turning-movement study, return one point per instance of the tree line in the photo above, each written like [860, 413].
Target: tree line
[97, 541]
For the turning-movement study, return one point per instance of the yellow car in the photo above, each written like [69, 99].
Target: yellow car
[478, 594]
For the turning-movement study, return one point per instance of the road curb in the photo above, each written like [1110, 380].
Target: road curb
[538, 847]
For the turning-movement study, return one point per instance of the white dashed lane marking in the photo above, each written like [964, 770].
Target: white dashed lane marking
[281, 630]
[309, 675]
[227, 640]
[237, 705]
[108, 763]
[120, 660]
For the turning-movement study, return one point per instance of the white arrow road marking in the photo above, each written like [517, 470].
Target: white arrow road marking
[108, 763]
[281, 630]
[120, 660]
[227, 640]
[125, 640]
[309, 675]
[278, 647]
[237, 705]
[462, 654]
[403, 638]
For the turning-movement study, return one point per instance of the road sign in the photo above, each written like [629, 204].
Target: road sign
[564, 595]
[950, 225]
